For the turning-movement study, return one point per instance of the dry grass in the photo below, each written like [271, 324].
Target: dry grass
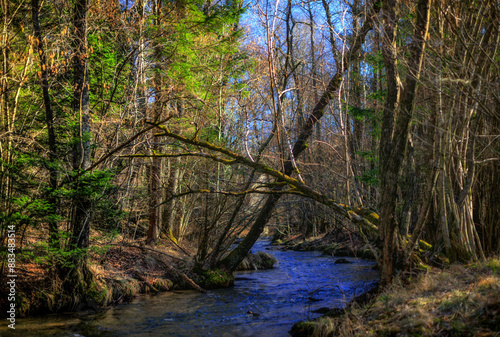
[457, 301]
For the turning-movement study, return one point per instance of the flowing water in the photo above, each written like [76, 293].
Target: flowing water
[301, 283]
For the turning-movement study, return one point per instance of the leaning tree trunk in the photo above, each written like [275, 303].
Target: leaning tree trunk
[238, 254]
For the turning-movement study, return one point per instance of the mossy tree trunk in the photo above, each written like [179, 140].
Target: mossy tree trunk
[396, 120]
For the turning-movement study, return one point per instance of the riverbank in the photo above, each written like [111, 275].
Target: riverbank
[301, 284]
[337, 243]
[459, 300]
[120, 272]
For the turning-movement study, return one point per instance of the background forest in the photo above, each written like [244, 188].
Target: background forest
[200, 122]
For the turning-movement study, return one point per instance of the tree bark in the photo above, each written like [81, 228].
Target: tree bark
[154, 169]
[79, 275]
[81, 150]
[49, 116]
[398, 111]
[6, 115]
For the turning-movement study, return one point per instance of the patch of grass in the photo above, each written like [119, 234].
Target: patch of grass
[494, 265]
[455, 301]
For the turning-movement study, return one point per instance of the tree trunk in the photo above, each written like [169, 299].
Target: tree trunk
[82, 205]
[49, 116]
[81, 150]
[396, 126]
[154, 169]
[169, 227]
[6, 117]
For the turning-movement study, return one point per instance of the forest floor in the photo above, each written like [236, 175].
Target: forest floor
[121, 270]
[458, 300]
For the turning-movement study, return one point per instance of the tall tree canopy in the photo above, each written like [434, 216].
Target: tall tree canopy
[201, 122]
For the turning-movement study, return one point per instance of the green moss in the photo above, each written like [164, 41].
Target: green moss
[366, 254]
[424, 245]
[261, 260]
[163, 284]
[171, 236]
[98, 293]
[22, 304]
[126, 289]
[216, 278]
[423, 266]
[493, 264]
[443, 259]
[330, 249]
[373, 218]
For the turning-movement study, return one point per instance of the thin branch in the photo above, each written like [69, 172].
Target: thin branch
[121, 146]
[235, 194]
[236, 158]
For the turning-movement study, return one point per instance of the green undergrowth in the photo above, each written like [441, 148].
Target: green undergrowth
[461, 300]
[214, 278]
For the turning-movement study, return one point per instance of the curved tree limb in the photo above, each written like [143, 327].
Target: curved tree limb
[237, 255]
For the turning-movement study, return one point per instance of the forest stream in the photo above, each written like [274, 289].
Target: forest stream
[301, 283]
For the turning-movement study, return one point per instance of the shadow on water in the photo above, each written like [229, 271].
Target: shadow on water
[301, 283]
